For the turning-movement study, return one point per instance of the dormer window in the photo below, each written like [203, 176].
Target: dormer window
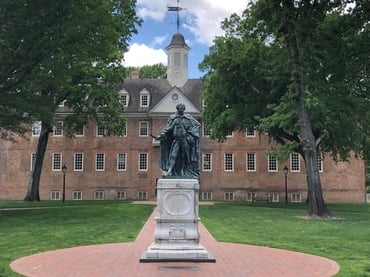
[124, 97]
[144, 98]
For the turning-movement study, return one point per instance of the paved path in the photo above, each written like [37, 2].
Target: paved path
[122, 259]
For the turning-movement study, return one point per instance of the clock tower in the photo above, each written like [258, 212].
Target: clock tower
[177, 64]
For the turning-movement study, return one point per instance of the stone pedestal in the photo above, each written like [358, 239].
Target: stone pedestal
[176, 235]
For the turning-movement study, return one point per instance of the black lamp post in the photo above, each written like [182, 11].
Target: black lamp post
[286, 183]
[64, 169]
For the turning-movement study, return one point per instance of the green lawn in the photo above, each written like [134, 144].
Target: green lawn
[51, 225]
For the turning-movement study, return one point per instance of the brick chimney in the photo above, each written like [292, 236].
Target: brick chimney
[134, 75]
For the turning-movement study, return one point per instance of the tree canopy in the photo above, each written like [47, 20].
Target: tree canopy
[299, 71]
[54, 52]
[155, 71]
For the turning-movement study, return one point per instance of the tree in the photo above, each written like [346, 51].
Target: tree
[63, 51]
[297, 70]
[155, 71]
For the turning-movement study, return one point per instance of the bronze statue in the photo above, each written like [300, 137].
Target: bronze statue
[179, 145]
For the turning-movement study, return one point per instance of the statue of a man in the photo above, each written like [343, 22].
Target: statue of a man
[179, 145]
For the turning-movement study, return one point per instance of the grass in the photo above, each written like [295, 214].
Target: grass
[38, 227]
[345, 240]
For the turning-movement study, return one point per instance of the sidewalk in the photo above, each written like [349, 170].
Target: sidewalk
[122, 259]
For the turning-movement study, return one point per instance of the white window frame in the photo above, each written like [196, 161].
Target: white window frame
[320, 162]
[251, 196]
[295, 162]
[76, 195]
[57, 161]
[207, 195]
[78, 161]
[251, 162]
[143, 128]
[124, 98]
[100, 131]
[33, 160]
[55, 195]
[58, 129]
[228, 162]
[229, 196]
[36, 128]
[206, 131]
[124, 128]
[120, 195]
[273, 196]
[121, 161]
[99, 195]
[272, 163]
[144, 98]
[142, 195]
[99, 161]
[143, 161]
[296, 197]
[207, 161]
[249, 133]
[229, 134]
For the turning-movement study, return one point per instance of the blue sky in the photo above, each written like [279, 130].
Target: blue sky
[199, 23]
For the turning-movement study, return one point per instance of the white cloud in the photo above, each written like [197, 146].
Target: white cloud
[155, 9]
[140, 55]
[159, 40]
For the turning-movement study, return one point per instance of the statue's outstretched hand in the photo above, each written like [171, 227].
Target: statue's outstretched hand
[155, 137]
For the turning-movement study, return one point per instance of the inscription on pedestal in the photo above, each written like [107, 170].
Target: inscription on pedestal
[177, 203]
[177, 232]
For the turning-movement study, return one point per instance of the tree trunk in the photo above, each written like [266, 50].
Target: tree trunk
[33, 193]
[316, 203]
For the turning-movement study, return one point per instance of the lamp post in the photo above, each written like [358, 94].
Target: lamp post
[286, 184]
[64, 169]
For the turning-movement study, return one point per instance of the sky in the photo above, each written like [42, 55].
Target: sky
[200, 23]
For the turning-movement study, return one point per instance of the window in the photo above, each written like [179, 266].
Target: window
[143, 128]
[229, 133]
[33, 160]
[251, 196]
[120, 195]
[121, 161]
[251, 161]
[273, 197]
[250, 132]
[77, 195]
[207, 162]
[143, 161]
[78, 162]
[99, 161]
[124, 97]
[100, 131]
[99, 195]
[144, 98]
[294, 162]
[79, 131]
[272, 163]
[142, 195]
[228, 162]
[206, 131]
[124, 129]
[177, 59]
[36, 128]
[207, 195]
[296, 197]
[57, 162]
[320, 162]
[55, 195]
[58, 129]
[229, 195]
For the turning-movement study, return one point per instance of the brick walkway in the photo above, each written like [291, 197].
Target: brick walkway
[122, 259]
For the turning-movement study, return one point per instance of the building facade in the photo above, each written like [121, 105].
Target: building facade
[127, 167]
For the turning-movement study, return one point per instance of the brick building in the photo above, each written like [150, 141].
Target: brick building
[126, 167]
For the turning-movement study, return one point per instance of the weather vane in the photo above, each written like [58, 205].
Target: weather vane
[176, 9]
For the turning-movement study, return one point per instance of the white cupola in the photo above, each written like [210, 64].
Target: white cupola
[177, 65]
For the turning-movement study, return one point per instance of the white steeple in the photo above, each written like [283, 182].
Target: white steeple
[177, 65]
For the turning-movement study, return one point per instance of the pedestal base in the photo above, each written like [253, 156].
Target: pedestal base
[176, 235]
